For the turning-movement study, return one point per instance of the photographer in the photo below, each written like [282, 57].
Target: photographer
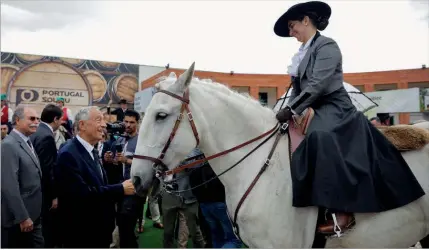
[130, 208]
[110, 161]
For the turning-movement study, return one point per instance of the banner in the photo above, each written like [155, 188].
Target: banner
[142, 99]
[396, 101]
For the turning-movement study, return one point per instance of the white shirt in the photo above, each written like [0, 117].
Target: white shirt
[70, 115]
[297, 58]
[100, 148]
[10, 114]
[86, 145]
[125, 154]
[89, 148]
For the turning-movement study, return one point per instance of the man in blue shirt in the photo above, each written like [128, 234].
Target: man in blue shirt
[211, 197]
[130, 208]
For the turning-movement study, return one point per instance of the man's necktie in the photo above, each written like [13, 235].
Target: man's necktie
[97, 161]
[31, 147]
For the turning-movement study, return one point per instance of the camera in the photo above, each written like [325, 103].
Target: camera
[119, 148]
[115, 128]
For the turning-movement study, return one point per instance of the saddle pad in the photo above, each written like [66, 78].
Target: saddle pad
[298, 128]
[406, 137]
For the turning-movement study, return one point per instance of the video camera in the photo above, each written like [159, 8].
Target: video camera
[115, 128]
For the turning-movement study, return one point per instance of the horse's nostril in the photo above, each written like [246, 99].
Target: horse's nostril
[137, 181]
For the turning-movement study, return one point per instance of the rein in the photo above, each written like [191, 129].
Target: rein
[228, 169]
[165, 171]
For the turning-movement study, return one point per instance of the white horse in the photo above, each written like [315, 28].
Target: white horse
[267, 219]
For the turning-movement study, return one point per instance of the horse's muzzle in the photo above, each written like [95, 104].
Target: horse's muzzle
[140, 187]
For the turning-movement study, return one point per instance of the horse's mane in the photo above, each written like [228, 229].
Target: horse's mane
[164, 82]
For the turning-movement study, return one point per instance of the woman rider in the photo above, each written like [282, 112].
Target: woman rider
[344, 164]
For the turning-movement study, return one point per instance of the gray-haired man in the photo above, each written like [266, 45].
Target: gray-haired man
[21, 190]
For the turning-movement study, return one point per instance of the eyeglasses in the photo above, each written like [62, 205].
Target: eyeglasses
[33, 118]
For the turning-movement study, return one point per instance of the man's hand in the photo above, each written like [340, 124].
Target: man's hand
[26, 226]
[108, 157]
[128, 187]
[54, 204]
[121, 158]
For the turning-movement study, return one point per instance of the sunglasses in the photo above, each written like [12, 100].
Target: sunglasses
[33, 118]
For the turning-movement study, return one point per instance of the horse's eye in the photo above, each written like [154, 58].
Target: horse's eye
[161, 116]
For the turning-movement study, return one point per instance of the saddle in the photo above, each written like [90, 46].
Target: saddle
[406, 137]
[298, 127]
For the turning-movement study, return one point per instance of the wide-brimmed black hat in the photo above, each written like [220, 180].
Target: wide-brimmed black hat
[122, 101]
[320, 9]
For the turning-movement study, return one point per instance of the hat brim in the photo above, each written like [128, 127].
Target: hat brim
[320, 8]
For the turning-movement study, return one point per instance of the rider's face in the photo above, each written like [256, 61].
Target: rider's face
[298, 29]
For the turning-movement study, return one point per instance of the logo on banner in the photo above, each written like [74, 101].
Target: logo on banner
[42, 96]
[26, 95]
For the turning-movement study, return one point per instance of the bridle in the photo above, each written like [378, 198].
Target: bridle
[185, 108]
[159, 173]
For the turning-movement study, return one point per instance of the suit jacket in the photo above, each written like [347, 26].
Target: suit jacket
[320, 73]
[21, 191]
[86, 203]
[44, 145]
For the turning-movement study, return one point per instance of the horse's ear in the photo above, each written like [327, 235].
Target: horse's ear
[185, 79]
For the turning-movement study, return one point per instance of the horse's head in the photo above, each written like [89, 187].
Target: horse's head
[156, 148]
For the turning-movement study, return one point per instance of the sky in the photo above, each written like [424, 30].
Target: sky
[218, 35]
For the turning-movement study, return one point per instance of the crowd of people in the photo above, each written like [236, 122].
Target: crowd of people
[66, 184]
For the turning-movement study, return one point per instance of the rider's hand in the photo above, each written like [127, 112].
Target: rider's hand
[284, 115]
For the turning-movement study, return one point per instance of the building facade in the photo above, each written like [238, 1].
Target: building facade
[268, 88]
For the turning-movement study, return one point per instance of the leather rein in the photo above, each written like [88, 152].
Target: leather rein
[185, 108]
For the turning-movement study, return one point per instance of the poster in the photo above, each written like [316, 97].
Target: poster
[396, 101]
[37, 80]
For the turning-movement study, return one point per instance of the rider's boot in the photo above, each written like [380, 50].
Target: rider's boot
[344, 221]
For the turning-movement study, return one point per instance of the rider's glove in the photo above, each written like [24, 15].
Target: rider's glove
[284, 115]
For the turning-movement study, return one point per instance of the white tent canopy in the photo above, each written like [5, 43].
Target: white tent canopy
[359, 99]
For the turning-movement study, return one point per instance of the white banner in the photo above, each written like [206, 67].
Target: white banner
[396, 101]
[142, 99]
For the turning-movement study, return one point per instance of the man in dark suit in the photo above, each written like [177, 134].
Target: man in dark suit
[86, 203]
[21, 193]
[120, 112]
[44, 144]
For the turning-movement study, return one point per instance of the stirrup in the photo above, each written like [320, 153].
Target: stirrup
[337, 229]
